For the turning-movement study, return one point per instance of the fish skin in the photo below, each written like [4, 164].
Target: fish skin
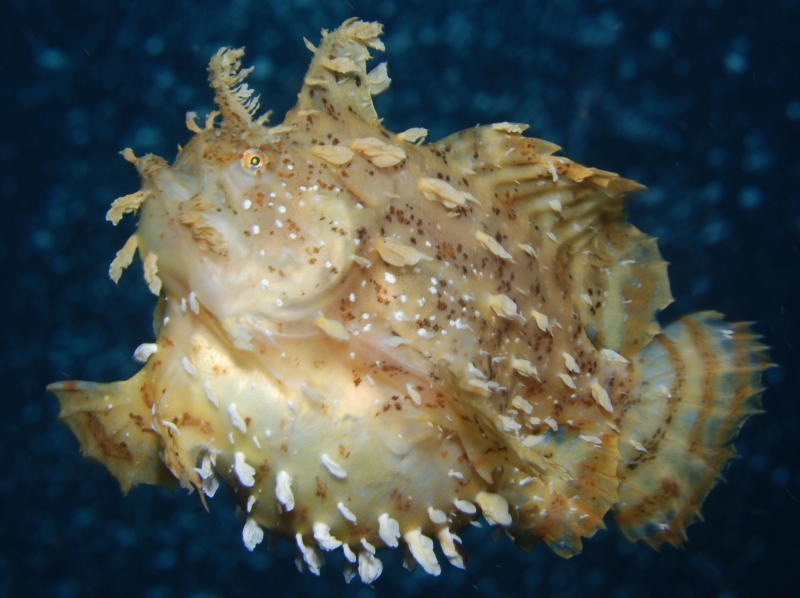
[295, 315]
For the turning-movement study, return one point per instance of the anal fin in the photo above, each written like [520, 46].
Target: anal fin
[112, 425]
[568, 503]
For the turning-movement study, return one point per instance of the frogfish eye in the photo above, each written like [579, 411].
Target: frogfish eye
[253, 160]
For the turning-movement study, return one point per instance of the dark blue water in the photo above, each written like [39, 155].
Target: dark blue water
[700, 100]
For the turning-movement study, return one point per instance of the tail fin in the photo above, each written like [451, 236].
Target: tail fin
[698, 381]
[112, 425]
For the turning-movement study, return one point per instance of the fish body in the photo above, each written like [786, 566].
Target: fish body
[374, 341]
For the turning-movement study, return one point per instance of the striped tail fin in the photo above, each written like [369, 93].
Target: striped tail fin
[697, 383]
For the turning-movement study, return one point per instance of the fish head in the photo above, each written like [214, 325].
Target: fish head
[250, 225]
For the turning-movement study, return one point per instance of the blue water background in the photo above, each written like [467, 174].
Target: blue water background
[700, 100]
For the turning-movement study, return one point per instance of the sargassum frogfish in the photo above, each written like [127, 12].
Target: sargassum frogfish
[374, 342]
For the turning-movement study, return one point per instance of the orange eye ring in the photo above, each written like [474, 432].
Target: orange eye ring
[253, 160]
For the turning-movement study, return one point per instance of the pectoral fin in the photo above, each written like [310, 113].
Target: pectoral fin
[112, 425]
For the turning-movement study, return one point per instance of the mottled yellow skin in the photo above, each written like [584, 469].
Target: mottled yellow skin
[461, 321]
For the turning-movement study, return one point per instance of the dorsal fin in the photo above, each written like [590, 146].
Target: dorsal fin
[337, 82]
[233, 96]
[620, 284]
[578, 227]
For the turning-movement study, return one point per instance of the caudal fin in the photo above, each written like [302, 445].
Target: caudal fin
[697, 383]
